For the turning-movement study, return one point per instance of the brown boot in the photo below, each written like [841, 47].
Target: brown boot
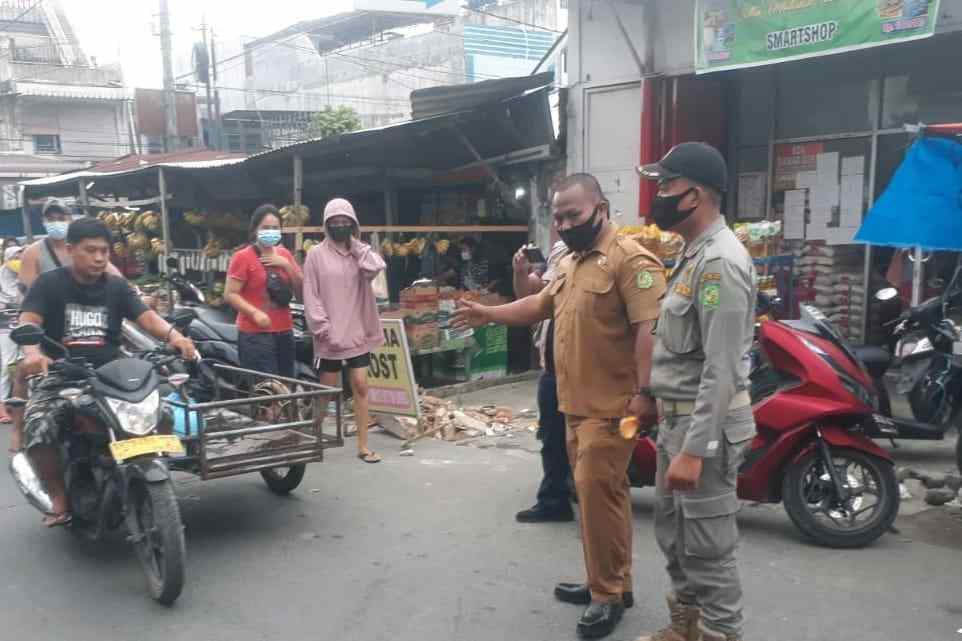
[710, 635]
[684, 623]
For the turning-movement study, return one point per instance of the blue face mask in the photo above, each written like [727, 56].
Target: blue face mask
[269, 237]
[57, 230]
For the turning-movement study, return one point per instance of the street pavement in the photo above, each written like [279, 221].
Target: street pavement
[426, 548]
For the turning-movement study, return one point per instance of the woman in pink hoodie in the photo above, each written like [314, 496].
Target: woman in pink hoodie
[341, 310]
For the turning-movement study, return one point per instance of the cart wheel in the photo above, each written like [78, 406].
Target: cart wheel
[283, 480]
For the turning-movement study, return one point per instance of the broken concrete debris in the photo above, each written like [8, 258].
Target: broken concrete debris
[443, 420]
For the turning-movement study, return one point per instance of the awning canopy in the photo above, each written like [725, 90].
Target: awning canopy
[132, 165]
[438, 143]
[922, 206]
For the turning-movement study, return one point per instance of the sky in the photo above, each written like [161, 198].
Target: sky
[122, 30]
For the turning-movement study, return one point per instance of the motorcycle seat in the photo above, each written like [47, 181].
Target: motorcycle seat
[876, 360]
[219, 322]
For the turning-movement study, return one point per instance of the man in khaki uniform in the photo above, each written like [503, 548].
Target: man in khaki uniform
[700, 378]
[604, 300]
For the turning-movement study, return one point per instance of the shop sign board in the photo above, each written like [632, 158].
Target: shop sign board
[391, 385]
[734, 34]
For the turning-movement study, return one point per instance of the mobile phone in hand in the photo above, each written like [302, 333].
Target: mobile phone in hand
[534, 255]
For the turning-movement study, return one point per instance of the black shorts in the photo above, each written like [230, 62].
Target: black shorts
[334, 367]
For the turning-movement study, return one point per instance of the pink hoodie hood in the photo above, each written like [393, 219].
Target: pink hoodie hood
[340, 207]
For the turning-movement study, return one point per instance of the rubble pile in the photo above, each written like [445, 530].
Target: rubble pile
[444, 420]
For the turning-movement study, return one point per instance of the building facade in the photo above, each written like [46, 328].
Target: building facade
[812, 125]
[58, 109]
[371, 61]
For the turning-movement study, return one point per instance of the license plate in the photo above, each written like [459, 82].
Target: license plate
[146, 445]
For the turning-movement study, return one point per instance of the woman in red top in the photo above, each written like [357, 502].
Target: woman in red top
[266, 341]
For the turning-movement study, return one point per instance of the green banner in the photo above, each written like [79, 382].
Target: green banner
[732, 34]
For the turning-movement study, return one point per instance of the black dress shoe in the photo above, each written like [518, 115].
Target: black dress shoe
[600, 619]
[579, 594]
[542, 514]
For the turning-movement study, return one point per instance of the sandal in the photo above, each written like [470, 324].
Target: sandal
[370, 457]
[57, 520]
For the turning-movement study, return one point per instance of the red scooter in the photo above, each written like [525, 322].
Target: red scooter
[815, 410]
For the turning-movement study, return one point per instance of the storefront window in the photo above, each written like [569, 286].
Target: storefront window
[827, 95]
[918, 86]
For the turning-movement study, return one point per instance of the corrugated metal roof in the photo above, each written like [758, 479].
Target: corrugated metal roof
[74, 92]
[434, 101]
[129, 165]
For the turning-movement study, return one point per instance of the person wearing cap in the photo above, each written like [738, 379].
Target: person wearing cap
[604, 302]
[341, 309]
[40, 257]
[10, 297]
[699, 378]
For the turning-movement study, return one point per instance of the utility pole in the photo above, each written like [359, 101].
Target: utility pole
[170, 94]
[219, 127]
[211, 126]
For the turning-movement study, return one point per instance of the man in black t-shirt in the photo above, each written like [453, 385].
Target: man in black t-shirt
[81, 307]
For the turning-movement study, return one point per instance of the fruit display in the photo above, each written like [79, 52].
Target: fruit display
[664, 244]
[414, 247]
[295, 215]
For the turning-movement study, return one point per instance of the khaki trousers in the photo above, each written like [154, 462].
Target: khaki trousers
[599, 458]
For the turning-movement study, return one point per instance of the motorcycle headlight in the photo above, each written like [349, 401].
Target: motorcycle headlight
[140, 418]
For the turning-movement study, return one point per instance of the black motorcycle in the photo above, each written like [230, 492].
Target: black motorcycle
[115, 455]
[926, 347]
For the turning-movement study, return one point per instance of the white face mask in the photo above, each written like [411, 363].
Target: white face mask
[465, 255]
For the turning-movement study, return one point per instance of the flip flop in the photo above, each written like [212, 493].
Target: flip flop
[370, 457]
[57, 520]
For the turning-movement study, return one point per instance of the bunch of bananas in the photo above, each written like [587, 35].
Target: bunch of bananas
[120, 250]
[309, 245]
[295, 216]
[113, 221]
[387, 248]
[193, 218]
[213, 249]
[148, 221]
[138, 242]
[442, 245]
[157, 246]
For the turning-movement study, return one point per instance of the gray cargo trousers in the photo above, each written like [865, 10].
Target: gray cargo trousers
[696, 529]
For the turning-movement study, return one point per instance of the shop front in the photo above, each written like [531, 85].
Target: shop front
[809, 103]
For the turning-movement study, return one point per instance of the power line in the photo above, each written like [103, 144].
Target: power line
[521, 22]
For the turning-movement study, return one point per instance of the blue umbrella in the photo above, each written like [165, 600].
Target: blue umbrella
[922, 206]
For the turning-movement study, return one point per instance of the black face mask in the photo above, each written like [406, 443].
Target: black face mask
[340, 233]
[665, 212]
[581, 237]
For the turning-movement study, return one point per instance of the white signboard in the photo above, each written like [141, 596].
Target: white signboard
[436, 7]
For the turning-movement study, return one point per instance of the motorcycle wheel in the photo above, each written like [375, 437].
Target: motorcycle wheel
[153, 519]
[280, 482]
[811, 500]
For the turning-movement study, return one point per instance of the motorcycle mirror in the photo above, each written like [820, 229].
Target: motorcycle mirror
[27, 334]
[173, 263]
[887, 294]
[177, 380]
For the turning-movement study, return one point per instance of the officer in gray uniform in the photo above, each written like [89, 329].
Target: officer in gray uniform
[699, 379]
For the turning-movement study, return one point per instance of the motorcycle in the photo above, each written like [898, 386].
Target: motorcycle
[927, 350]
[115, 457]
[815, 410]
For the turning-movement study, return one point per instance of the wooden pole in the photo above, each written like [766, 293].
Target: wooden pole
[165, 228]
[298, 196]
[82, 193]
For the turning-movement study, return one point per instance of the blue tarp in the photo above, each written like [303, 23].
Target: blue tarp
[922, 206]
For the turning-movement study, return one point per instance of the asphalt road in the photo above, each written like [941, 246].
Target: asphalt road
[426, 548]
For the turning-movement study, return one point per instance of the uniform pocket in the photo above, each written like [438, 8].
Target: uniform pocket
[678, 325]
[739, 425]
[599, 298]
[710, 529]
